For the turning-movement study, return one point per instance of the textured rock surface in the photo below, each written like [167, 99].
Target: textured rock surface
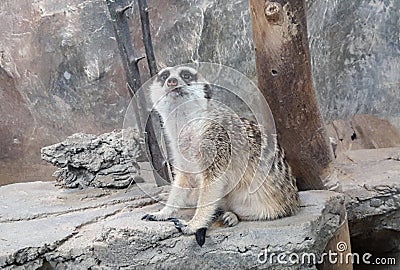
[355, 53]
[61, 61]
[371, 183]
[86, 160]
[42, 225]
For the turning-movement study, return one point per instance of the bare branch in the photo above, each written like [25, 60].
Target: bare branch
[130, 63]
[121, 11]
[148, 45]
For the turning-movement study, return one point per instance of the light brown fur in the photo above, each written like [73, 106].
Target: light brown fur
[220, 159]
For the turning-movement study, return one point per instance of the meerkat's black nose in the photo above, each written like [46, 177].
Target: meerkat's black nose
[172, 82]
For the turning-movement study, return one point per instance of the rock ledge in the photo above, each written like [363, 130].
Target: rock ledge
[102, 229]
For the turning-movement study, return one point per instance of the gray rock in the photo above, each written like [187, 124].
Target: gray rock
[60, 71]
[371, 183]
[102, 229]
[107, 160]
[355, 56]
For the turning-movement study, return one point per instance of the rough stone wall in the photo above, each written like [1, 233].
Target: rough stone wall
[60, 71]
[355, 49]
[59, 74]
[61, 60]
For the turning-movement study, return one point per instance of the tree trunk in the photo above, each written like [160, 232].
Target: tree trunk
[284, 77]
[340, 244]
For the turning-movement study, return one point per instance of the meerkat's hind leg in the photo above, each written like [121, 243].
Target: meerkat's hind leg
[230, 219]
[179, 224]
[218, 214]
[200, 234]
[207, 206]
[169, 209]
[178, 198]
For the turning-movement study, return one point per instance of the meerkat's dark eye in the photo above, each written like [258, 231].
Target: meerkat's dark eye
[187, 76]
[164, 76]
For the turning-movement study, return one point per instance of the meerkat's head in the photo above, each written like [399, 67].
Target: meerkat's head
[176, 85]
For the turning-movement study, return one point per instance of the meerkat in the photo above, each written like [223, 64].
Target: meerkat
[217, 156]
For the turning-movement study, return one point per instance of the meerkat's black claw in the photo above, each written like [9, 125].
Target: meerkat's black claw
[178, 224]
[201, 236]
[149, 217]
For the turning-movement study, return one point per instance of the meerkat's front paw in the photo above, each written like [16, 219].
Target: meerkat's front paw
[149, 217]
[230, 219]
[159, 216]
[182, 226]
[187, 228]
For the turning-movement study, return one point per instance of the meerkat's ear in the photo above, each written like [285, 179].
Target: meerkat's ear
[207, 91]
[161, 67]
